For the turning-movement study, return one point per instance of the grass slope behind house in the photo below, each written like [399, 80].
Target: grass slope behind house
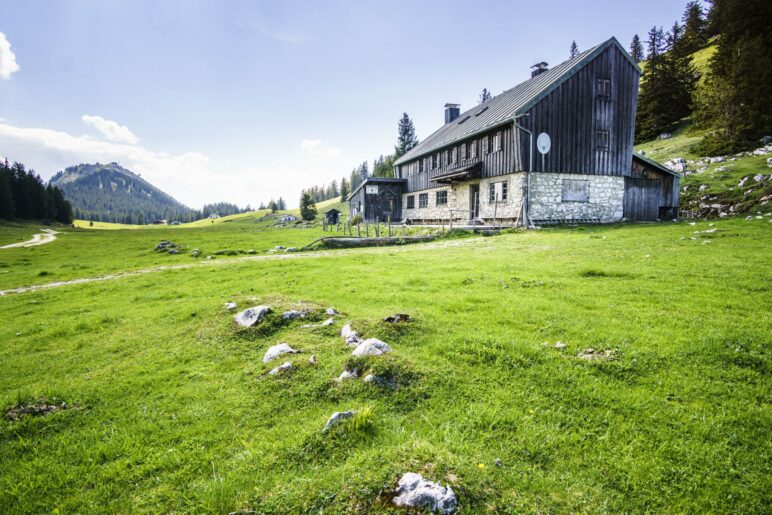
[172, 412]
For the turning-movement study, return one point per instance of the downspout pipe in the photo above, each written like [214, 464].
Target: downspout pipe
[530, 169]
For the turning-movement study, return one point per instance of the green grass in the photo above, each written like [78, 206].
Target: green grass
[172, 411]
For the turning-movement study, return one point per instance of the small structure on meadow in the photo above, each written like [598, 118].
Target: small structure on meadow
[287, 218]
[332, 216]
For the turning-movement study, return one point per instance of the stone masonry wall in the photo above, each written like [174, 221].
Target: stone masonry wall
[605, 202]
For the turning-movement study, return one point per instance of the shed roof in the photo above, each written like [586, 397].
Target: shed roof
[375, 180]
[649, 161]
[503, 108]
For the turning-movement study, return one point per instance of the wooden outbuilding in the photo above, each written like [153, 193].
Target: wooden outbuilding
[332, 216]
[378, 199]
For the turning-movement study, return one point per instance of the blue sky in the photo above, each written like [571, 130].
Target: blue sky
[244, 101]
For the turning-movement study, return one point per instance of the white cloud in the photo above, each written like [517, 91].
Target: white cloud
[315, 147]
[274, 30]
[8, 63]
[110, 129]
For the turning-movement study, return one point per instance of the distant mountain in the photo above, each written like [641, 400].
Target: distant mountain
[111, 193]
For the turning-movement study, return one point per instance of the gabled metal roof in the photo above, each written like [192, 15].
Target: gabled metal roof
[503, 108]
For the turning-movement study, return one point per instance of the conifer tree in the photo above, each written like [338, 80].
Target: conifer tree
[695, 26]
[344, 191]
[307, 206]
[406, 138]
[636, 49]
[485, 96]
[574, 51]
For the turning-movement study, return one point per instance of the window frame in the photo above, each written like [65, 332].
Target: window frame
[420, 166]
[603, 88]
[602, 139]
[423, 200]
[410, 201]
[497, 142]
[585, 186]
[444, 194]
[473, 149]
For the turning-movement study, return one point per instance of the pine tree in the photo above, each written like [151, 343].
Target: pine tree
[406, 138]
[574, 51]
[735, 100]
[485, 96]
[344, 191]
[7, 210]
[636, 49]
[695, 26]
[307, 206]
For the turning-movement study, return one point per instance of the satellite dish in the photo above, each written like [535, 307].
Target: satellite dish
[543, 143]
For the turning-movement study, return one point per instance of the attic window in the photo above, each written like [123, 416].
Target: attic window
[602, 140]
[462, 120]
[481, 111]
[603, 88]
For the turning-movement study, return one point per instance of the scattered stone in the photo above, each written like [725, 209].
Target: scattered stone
[277, 350]
[592, 354]
[338, 417]
[293, 314]
[766, 140]
[664, 135]
[209, 257]
[371, 347]
[498, 463]
[749, 217]
[759, 177]
[34, 409]
[719, 159]
[174, 251]
[195, 253]
[396, 318]
[165, 246]
[560, 345]
[291, 249]
[331, 312]
[413, 491]
[347, 374]
[230, 306]
[280, 369]
[251, 316]
[312, 360]
[383, 382]
[278, 247]
[327, 322]
[703, 187]
[18, 334]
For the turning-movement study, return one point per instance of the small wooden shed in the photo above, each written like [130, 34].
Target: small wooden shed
[651, 191]
[332, 216]
[378, 199]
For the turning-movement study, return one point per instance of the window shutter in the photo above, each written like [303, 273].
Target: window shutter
[473, 148]
[463, 151]
[485, 144]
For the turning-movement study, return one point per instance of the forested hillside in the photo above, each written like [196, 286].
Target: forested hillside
[24, 196]
[111, 193]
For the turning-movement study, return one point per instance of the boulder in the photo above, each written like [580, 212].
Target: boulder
[293, 314]
[312, 360]
[230, 306]
[347, 331]
[280, 369]
[664, 135]
[327, 322]
[338, 417]
[251, 316]
[718, 159]
[277, 350]
[759, 177]
[347, 374]
[371, 347]
[291, 249]
[353, 340]
[413, 491]
[195, 253]
[743, 181]
[174, 251]
[331, 312]
[766, 140]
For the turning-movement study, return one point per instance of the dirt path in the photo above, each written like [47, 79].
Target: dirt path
[47, 236]
[227, 262]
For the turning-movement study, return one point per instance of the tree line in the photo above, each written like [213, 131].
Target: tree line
[733, 105]
[24, 196]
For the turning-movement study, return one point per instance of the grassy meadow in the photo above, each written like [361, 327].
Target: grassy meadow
[168, 408]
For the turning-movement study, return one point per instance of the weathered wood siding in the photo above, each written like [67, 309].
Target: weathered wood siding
[385, 205]
[573, 114]
[494, 163]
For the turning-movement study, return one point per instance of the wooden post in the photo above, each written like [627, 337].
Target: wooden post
[389, 227]
[359, 230]
[377, 226]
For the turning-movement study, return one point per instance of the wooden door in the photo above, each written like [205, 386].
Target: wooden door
[642, 199]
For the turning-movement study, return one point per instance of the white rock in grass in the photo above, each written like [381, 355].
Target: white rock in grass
[277, 350]
[281, 368]
[371, 347]
[560, 345]
[347, 331]
[230, 306]
[353, 340]
[327, 322]
[252, 316]
[413, 491]
[331, 312]
[383, 382]
[348, 374]
[292, 314]
[338, 417]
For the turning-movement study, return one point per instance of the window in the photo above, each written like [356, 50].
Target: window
[420, 165]
[481, 111]
[498, 191]
[411, 201]
[447, 157]
[473, 149]
[485, 144]
[603, 88]
[601, 139]
[423, 200]
[442, 197]
[463, 151]
[454, 155]
[462, 120]
[435, 161]
[576, 191]
[497, 142]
